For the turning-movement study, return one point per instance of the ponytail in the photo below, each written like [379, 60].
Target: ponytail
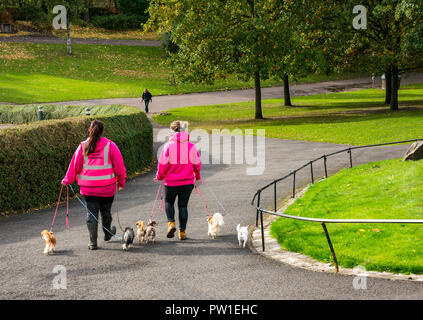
[96, 130]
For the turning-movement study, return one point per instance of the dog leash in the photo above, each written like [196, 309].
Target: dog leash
[84, 205]
[117, 209]
[217, 200]
[161, 187]
[197, 190]
[161, 206]
[57, 208]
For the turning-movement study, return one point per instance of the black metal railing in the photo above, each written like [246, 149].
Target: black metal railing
[260, 210]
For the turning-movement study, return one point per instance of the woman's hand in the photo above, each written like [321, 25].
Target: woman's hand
[155, 180]
[121, 188]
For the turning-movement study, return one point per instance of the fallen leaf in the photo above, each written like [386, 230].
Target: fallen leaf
[376, 230]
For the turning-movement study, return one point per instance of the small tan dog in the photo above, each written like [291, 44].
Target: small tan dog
[140, 231]
[50, 240]
[150, 231]
[215, 223]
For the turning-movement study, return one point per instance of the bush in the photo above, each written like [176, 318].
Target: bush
[39, 17]
[119, 22]
[138, 7]
[35, 157]
[23, 114]
[32, 12]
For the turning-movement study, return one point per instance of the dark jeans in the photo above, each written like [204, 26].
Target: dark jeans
[147, 102]
[102, 204]
[183, 193]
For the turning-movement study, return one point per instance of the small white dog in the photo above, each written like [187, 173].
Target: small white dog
[242, 235]
[215, 223]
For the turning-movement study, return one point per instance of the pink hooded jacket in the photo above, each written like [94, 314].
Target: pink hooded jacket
[75, 168]
[179, 163]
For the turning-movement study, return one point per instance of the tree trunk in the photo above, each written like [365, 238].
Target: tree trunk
[86, 14]
[259, 114]
[395, 87]
[286, 94]
[388, 85]
[68, 41]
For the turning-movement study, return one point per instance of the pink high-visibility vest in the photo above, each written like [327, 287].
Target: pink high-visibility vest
[97, 169]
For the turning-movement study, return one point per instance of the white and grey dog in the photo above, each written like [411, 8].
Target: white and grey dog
[128, 238]
[242, 235]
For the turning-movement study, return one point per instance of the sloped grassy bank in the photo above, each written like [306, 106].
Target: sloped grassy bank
[389, 189]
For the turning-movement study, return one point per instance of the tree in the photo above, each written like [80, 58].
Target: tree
[217, 38]
[170, 48]
[40, 12]
[295, 60]
[388, 44]
[74, 10]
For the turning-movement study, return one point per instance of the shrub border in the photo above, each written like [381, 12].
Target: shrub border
[35, 157]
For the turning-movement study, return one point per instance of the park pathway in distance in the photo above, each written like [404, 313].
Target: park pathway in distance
[57, 40]
[165, 102]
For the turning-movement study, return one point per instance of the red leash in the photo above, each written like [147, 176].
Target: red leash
[155, 201]
[161, 206]
[197, 190]
[67, 208]
[57, 208]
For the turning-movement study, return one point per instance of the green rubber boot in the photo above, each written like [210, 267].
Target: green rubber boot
[92, 231]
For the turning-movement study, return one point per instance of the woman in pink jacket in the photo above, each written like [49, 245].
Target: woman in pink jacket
[179, 165]
[97, 165]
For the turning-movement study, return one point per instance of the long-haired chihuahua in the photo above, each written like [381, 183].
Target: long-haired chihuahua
[50, 240]
[140, 231]
[150, 231]
[215, 222]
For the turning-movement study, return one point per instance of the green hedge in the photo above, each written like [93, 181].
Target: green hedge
[34, 158]
[23, 114]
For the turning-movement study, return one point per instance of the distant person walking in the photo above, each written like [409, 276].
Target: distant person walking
[147, 98]
[97, 165]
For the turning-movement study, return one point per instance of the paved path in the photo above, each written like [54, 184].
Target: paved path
[57, 40]
[199, 268]
[161, 103]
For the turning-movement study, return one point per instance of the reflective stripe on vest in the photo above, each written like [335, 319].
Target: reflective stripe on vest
[96, 178]
[97, 175]
[106, 160]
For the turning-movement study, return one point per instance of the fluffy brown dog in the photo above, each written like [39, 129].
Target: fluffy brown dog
[150, 231]
[50, 240]
[215, 222]
[140, 231]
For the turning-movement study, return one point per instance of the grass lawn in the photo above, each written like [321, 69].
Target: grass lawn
[389, 189]
[32, 73]
[357, 118]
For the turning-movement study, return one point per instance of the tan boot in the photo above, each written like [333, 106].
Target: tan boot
[182, 234]
[171, 228]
